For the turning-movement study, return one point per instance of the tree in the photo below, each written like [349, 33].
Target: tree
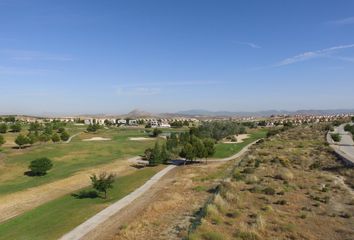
[40, 166]
[44, 137]
[199, 149]
[352, 118]
[3, 128]
[164, 156]
[55, 138]
[21, 140]
[64, 136]
[188, 152]
[156, 132]
[148, 153]
[103, 182]
[61, 130]
[32, 138]
[155, 158]
[93, 127]
[209, 147]
[34, 127]
[16, 127]
[2, 140]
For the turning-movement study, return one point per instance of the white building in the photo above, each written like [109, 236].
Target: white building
[122, 121]
[133, 122]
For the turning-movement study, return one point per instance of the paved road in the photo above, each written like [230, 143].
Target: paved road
[85, 228]
[346, 146]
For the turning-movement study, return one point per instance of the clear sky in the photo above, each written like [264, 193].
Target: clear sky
[69, 56]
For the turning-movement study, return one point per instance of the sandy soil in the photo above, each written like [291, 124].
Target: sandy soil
[140, 139]
[16, 203]
[97, 139]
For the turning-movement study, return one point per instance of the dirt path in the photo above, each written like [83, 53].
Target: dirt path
[16, 203]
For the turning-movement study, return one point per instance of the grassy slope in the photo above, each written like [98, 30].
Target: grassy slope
[57, 217]
[224, 150]
[68, 158]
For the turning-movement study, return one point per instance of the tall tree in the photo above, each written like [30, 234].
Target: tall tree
[164, 154]
[188, 152]
[209, 147]
[156, 155]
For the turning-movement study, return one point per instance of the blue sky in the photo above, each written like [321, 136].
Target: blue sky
[71, 57]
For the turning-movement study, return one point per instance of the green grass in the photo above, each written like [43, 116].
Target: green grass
[69, 158]
[55, 218]
[224, 150]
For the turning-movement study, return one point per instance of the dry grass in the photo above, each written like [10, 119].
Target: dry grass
[286, 194]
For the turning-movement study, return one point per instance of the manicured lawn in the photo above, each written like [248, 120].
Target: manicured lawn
[224, 150]
[55, 218]
[69, 158]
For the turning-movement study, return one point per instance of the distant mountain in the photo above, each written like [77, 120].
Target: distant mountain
[202, 112]
[139, 113]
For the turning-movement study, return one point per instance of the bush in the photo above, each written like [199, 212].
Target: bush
[40, 166]
[64, 136]
[248, 170]
[212, 236]
[336, 137]
[86, 194]
[246, 235]
[3, 128]
[269, 191]
[285, 174]
[22, 140]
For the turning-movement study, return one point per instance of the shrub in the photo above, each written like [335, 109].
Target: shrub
[238, 176]
[64, 136]
[40, 166]
[220, 203]
[86, 194]
[336, 137]
[269, 191]
[284, 174]
[281, 202]
[248, 170]
[246, 235]
[213, 214]
[2, 140]
[251, 179]
[212, 236]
